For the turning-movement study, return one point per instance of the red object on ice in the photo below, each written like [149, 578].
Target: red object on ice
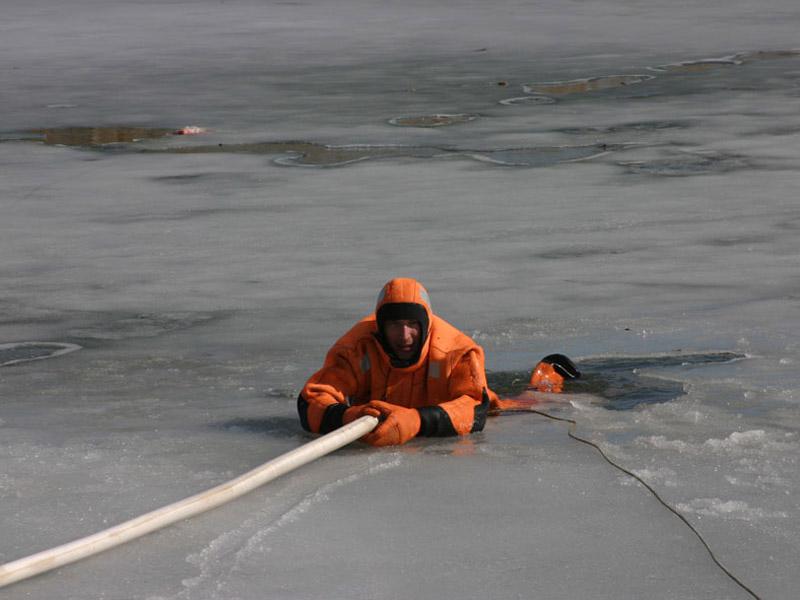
[189, 130]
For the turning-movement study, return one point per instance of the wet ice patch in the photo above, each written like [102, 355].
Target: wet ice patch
[332, 156]
[728, 509]
[273, 427]
[311, 154]
[703, 65]
[437, 120]
[544, 156]
[531, 100]
[584, 86]
[687, 163]
[96, 136]
[335, 156]
[20, 352]
[139, 326]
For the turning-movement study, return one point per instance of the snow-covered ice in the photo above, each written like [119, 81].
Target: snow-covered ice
[163, 300]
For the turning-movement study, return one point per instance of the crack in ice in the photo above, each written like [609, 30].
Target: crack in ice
[226, 554]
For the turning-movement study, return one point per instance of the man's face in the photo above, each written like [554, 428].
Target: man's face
[403, 337]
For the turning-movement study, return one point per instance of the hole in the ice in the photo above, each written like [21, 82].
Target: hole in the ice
[542, 157]
[687, 164]
[439, 120]
[617, 380]
[20, 352]
[528, 100]
[96, 136]
[583, 86]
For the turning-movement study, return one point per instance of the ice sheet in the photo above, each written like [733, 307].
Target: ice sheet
[203, 288]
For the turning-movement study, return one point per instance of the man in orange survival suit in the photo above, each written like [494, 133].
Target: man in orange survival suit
[412, 370]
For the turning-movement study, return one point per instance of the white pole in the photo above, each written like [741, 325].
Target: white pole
[114, 536]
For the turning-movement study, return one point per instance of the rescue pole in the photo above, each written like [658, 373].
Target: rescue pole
[53, 558]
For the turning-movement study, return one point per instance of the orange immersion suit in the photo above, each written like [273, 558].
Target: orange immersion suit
[445, 383]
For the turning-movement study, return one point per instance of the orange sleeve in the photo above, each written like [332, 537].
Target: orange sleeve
[324, 397]
[466, 411]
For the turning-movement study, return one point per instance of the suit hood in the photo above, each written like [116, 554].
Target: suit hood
[404, 298]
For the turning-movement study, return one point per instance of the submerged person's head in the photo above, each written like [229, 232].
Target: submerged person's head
[403, 315]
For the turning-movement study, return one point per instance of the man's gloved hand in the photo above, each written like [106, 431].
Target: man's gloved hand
[358, 411]
[398, 424]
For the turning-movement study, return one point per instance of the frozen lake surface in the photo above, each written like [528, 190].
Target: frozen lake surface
[615, 181]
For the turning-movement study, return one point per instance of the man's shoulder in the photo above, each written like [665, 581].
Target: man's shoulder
[448, 338]
[363, 330]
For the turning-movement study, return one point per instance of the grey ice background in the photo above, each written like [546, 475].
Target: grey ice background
[205, 288]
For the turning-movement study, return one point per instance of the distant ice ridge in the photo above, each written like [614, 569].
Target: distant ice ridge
[228, 553]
